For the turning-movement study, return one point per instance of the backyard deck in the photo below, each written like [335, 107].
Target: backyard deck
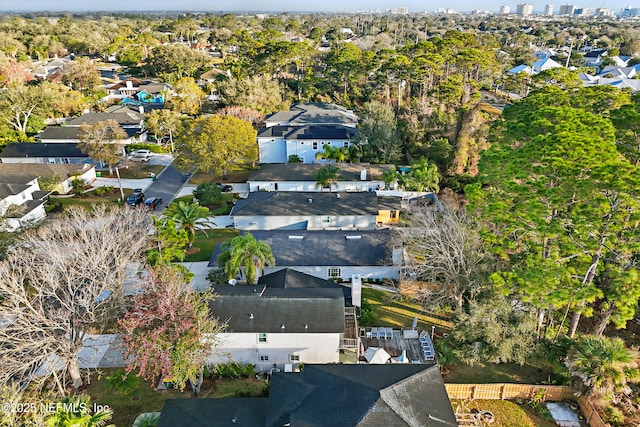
[394, 341]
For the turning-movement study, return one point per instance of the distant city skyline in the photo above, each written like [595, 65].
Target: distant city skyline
[414, 6]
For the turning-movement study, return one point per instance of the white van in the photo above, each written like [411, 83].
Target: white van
[140, 156]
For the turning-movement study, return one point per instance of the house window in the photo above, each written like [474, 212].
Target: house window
[346, 144]
[262, 337]
[294, 358]
[392, 214]
[334, 272]
[315, 145]
[326, 219]
[264, 358]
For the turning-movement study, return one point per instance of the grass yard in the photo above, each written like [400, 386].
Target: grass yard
[481, 373]
[507, 413]
[207, 244]
[137, 170]
[235, 174]
[146, 399]
[90, 198]
[393, 311]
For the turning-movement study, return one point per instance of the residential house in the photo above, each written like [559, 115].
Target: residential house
[300, 177]
[65, 173]
[301, 211]
[21, 201]
[286, 319]
[34, 152]
[594, 57]
[132, 124]
[304, 130]
[329, 396]
[313, 114]
[544, 64]
[368, 254]
[277, 143]
[617, 80]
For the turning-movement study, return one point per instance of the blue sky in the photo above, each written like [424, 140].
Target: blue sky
[289, 5]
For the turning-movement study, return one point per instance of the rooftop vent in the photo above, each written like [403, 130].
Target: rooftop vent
[282, 326]
[337, 195]
[353, 237]
[310, 200]
[293, 237]
[251, 316]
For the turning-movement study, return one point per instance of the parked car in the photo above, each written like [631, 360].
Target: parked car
[153, 202]
[140, 155]
[136, 198]
[225, 188]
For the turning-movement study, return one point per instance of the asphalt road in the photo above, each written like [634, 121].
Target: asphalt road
[167, 185]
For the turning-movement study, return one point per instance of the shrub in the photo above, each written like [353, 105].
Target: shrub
[294, 158]
[614, 416]
[208, 193]
[101, 191]
[121, 382]
[367, 315]
[53, 207]
[217, 276]
[234, 370]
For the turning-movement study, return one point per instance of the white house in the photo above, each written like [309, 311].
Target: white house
[287, 318]
[304, 130]
[355, 177]
[277, 143]
[301, 211]
[65, 173]
[21, 202]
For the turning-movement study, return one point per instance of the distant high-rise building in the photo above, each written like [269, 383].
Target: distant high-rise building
[567, 9]
[627, 12]
[583, 11]
[603, 12]
[505, 10]
[399, 11]
[524, 9]
[548, 10]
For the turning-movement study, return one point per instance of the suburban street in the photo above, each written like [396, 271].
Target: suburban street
[167, 185]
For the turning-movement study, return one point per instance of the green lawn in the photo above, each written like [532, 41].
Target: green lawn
[507, 413]
[145, 398]
[137, 170]
[391, 310]
[90, 198]
[481, 373]
[207, 244]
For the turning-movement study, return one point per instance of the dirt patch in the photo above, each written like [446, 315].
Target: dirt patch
[193, 250]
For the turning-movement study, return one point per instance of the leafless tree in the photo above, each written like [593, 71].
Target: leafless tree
[444, 253]
[61, 281]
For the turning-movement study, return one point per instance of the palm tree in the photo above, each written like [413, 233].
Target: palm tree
[327, 176]
[603, 365]
[76, 412]
[245, 251]
[189, 215]
[329, 152]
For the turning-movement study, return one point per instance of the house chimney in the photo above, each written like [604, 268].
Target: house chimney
[363, 174]
[129, 84]
[356, 290]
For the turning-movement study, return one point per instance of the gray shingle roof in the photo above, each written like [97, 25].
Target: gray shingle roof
[11, 189]
[321, 132]
[360, 395]
[71, 132]
[324, 248]
[31, 149]
[273, 172]
[124, 119]
[301, 310]
[297, 203]
[203, 412]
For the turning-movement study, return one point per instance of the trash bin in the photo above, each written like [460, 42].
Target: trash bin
[98, 174]
[153, 177]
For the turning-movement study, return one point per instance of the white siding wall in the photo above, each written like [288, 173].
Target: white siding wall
[350, 222]
[305, 150]
[371, 272]
[354, 186]
[244, 348]
[19, 199]
[272, 150]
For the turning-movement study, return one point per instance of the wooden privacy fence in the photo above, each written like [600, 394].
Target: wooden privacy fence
[508, 391]
[590, 414]
[525, 391]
